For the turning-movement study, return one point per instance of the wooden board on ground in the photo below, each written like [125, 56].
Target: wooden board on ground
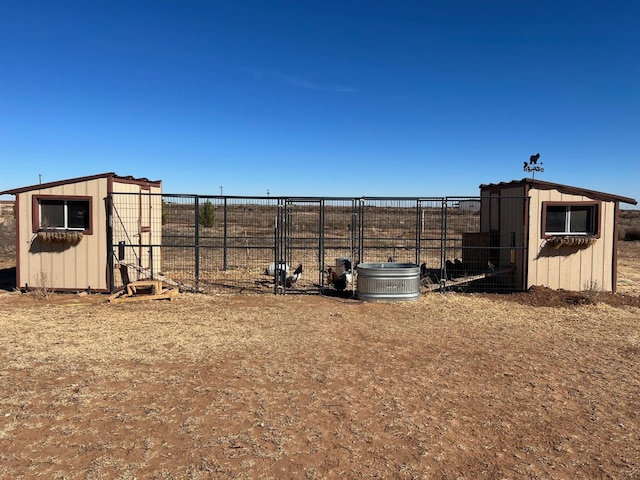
[467, 279]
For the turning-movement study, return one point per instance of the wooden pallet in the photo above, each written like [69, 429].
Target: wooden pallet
[124, 272]
[144, 290]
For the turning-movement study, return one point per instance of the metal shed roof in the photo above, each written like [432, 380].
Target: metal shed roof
[111, 175]
[542, 185]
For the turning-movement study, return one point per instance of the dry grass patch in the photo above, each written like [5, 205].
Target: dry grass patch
[248, 386]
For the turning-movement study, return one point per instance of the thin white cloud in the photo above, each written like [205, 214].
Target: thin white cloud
[303, 83]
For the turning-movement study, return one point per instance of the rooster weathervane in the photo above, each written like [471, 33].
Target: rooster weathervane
[532, 166]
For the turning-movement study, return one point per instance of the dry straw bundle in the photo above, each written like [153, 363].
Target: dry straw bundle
[60, 236]
[580, 242]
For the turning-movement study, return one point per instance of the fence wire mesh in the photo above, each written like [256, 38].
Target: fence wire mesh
[221, 244]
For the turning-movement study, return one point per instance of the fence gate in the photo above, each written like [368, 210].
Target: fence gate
[317, 234]
[133, 234]
[297, 242]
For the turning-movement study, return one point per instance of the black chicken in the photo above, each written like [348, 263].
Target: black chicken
[286, 280]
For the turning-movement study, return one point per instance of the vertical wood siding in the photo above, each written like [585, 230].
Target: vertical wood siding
[570, 268]
[64, 266]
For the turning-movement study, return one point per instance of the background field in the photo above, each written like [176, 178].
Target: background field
[531, 385]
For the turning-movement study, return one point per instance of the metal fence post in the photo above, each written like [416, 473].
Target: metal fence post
[418, 229]
[224, 237]
[197, 242]
[151, 261]
[276, 250]
[280, 247]
[288, 255]
[321, 258]
[357, 230]
[443, 239]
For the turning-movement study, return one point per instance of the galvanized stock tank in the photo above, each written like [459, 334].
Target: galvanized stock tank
[388, 282]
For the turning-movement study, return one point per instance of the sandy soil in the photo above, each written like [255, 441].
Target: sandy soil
[534, 385]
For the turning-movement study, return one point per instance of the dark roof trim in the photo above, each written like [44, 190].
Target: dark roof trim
[113, 176]
[542, 185]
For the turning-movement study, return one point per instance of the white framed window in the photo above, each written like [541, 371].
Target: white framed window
[571, 219]
[62, 213]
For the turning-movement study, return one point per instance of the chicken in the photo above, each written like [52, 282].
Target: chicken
[274, 268]
[429, 275]
[338, 280]
[281, 276]
[286, 280]
[297, 273]
[341, 276]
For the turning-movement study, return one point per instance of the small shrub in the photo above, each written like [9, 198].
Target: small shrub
[632, 234]
[206, 214]
[164, 215]
[42, 288]
[591, 293]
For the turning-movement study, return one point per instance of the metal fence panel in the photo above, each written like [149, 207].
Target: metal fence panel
[226, 244]
[390, 230]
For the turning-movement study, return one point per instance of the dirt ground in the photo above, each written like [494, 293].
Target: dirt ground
[533, 385]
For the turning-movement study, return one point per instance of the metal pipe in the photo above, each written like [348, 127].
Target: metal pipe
[197, 242]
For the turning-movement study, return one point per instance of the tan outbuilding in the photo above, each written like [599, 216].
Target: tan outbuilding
[65, 234]
[569, 234]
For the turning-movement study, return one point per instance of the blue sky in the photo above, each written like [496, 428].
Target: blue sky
[332, 98]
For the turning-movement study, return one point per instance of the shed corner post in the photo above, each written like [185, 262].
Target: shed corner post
[614, 255]
[526, 238]
[110, 264]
